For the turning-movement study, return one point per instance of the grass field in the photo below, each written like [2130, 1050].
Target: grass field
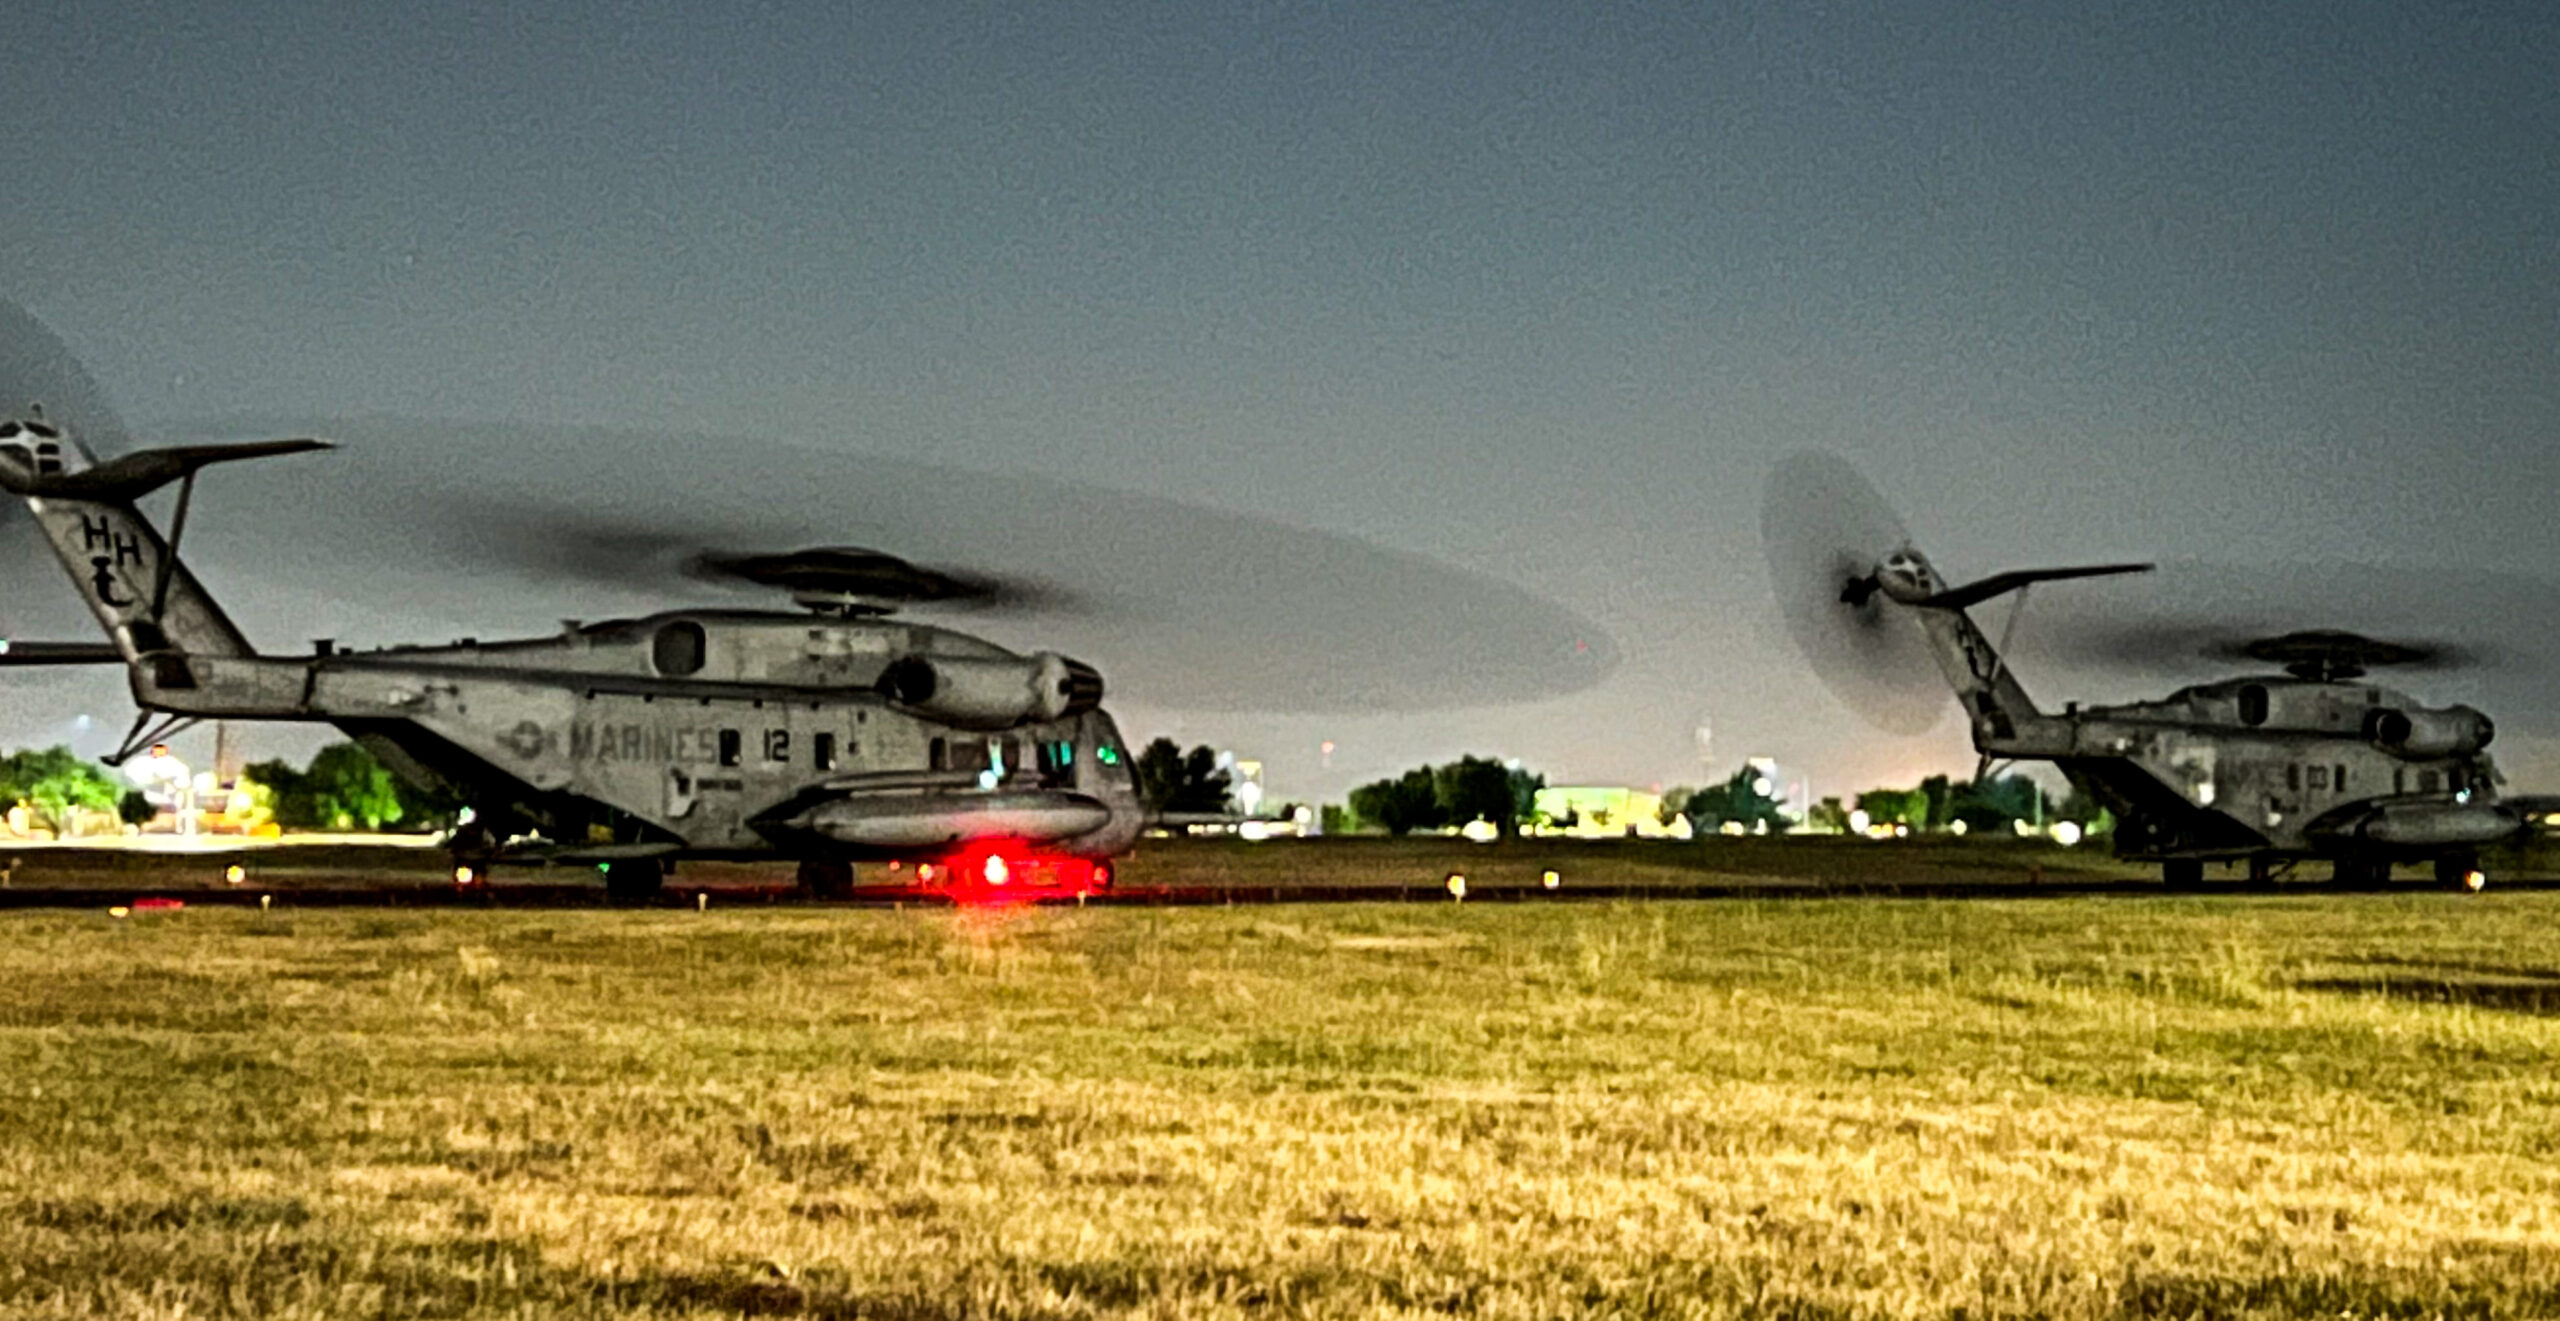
[2288, 1106]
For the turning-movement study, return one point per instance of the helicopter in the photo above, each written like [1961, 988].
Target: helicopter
[2300, 759]
[835, 733]
[832, 735]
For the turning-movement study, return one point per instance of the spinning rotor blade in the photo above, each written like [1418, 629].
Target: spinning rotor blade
[38, 373]
[418, 525]
[540, 545]
[2197, 618]
[2190, 621]
[1824, 527]
[1180, 606]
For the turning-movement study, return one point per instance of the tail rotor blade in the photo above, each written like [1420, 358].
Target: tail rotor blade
[1824, 530]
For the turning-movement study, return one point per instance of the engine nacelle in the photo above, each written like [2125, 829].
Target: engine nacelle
[2424, 735]
[974, 692]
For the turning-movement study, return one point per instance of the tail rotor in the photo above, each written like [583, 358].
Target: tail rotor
[1825, 530]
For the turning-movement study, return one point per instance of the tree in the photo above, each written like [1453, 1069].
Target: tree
[1997, 803]
[135, 808]
[1895, 807]
[1170, 780]
[1524, 797]
[1745, 799]
[1828, 815]
[54, 783]
[282, 793]
[2082, 808]
[1407, 803]
[1475, 788]
[351, 790]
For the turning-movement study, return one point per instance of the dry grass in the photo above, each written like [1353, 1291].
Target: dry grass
[2273, 1107]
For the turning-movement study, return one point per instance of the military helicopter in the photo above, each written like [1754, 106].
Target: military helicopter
[2265, 769]
[832, 735]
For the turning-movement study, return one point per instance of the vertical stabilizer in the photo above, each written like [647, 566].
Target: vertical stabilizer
[153, 609]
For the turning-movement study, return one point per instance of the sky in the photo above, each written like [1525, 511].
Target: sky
[1543, 293]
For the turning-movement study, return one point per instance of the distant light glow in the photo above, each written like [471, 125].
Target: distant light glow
[996, 870]
[1550, 880]
[1458, 886]
[2066, 833]
[235, 873]
[1958, 827]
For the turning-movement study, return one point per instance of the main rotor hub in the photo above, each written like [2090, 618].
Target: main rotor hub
[2331, 655]
[846, 581]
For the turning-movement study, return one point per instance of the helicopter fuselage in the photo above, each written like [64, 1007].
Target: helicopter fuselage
[2274, 765]
[828, 737]
[715, 733]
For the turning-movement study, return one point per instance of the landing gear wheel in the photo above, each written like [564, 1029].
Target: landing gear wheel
[827, 880]
[2460, 872]
[2183, 873]
[634, 880]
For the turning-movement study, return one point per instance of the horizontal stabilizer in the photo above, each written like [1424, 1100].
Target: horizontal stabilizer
[59, 653]
[1975, 593]
[132, 476]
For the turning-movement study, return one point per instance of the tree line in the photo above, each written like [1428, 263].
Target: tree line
[1456, 793]
[342, 788]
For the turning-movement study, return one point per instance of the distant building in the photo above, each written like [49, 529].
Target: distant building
[1604, 812]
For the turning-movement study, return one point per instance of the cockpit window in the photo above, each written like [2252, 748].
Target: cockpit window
[678, 649]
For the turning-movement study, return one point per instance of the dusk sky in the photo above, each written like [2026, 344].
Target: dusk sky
[1543, 292]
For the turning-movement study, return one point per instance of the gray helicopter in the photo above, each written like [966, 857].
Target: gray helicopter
[834, 735]
[830, 736]
[2265, 770]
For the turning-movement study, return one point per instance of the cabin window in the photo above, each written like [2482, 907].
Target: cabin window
[1057, 763]
[2338, 777]
[824, 753]
[678, 649]
[2319, 778]
[2399, 779]
[2293, 777]
[2457, 779]
[731, 746]
[2253, 704]
[966, 754]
